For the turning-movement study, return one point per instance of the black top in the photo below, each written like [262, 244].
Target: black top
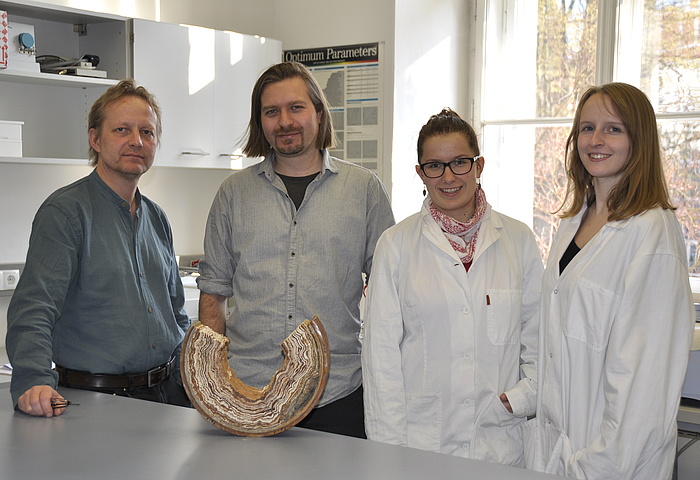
[296, 187]
[571, 251]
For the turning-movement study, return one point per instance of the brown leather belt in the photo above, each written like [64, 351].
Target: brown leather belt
[81, 379]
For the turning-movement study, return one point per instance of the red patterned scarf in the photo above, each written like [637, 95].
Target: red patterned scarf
[462, 236]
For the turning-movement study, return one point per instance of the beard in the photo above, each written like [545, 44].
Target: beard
[290, 146]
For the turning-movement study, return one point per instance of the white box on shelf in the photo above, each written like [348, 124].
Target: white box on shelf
[22, 48]
[10, 138]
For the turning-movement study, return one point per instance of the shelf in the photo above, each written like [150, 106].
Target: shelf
[37, 78]
[44, 161]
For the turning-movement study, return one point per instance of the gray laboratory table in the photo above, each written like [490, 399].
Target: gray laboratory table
[108, 437]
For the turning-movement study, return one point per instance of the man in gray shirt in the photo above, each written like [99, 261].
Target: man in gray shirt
[100, 294]
[290, 238]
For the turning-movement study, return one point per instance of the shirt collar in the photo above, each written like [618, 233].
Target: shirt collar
[111, 194]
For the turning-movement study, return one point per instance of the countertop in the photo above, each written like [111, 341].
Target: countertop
[109, 437]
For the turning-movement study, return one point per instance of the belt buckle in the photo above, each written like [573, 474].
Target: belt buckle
[151, 373]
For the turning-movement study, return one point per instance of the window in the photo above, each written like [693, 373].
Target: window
[531, 79]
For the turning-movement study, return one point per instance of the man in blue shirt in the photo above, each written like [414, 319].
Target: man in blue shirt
[290, 238]
[100, 294]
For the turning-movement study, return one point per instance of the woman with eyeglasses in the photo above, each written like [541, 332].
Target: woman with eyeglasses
[450, 330]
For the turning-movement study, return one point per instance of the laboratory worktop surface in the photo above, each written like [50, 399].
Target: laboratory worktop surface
[110, 437]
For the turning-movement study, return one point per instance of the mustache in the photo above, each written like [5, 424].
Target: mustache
[285, 130]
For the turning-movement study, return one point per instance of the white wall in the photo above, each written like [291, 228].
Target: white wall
[430, 73]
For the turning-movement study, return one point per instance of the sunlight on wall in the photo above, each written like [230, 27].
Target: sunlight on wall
[235, 47]
[201, 69]
[427, 92]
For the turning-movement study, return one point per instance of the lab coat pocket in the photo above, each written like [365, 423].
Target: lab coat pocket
[503, 312]
[424, 413]
[532, 449]
[590, 315]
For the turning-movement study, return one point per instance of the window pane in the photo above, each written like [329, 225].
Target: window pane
[550, 183]
[680, 147]
[566, 54]
[670, 70]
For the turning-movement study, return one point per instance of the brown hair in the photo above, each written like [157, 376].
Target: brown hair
[257, 145]
[444, 123]
[642, 185]
[125, 88]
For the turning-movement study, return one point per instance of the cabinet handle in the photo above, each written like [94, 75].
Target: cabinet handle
[200, 152]
[232, 156]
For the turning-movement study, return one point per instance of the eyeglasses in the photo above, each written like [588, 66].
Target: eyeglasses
[459, 166]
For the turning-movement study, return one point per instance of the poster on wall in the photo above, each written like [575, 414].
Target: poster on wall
[352, 79]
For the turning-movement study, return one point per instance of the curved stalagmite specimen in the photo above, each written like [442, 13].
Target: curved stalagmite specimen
[237, 408]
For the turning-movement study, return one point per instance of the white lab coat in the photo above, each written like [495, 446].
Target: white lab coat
[441, 344]
[615, 335]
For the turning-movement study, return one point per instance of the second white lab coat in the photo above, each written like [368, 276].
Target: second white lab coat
[615, 335]
[441, 344]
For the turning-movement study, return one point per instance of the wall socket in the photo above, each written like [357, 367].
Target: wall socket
[9, 279]
[9, 276]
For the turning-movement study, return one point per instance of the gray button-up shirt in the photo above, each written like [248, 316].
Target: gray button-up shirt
[282, 265]
[100, 292]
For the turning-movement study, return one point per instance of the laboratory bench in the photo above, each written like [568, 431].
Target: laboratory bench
[110, 437]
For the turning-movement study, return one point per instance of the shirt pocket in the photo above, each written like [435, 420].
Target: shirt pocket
[503, 312]
[590, 315]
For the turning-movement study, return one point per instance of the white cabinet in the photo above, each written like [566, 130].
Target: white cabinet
[202, 79]
[54, 107]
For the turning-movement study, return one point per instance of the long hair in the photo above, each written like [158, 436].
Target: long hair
[125, 88]
[257, 145]
[642, 184]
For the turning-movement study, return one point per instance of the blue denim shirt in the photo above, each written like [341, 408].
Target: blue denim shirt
[282, 265]
[100, 292]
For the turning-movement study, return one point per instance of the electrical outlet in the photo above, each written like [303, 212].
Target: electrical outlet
[8, 279]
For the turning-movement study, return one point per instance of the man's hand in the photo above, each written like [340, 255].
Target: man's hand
[37, 401]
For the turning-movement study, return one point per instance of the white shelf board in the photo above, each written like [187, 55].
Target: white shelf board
[44, 161]
[25, 77]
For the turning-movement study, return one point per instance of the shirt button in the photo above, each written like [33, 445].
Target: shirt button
[153, 346]
[141, 274]
[150, 310]
[290, 316]
[293, 254]
[291, 285]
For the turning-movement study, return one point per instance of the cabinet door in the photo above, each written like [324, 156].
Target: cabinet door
[240, 59]
[176, 63]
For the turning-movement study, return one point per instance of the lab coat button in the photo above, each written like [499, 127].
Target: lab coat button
[556, 291]
[468, 403]
[465, 311]
[550, 355]
[467, 356]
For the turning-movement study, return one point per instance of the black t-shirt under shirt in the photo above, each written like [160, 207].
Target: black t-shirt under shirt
[296, 187]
